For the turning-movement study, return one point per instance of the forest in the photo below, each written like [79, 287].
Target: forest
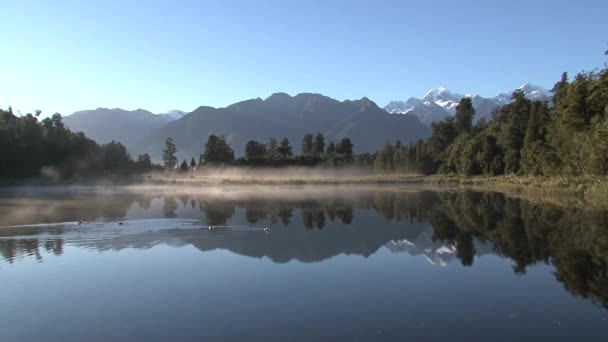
[565, 136]
[33, 148]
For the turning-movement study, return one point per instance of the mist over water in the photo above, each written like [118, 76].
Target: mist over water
[473, 263]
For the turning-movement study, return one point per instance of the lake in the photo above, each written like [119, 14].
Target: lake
[339, 264]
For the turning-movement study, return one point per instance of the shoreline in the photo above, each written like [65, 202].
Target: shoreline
[590, 187]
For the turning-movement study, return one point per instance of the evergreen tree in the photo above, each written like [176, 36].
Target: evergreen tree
[444, 134]
[284, 148]
[184, 166]
[331, 148]
[307, 144]
[574, 113]
[143, 162]
[384, 159]
[345, 147]
[218, 150]
[464, 115]
[192, 163]
[272, 148]
[169, 154]
[400, 158]
[255, 151]
[318, 145]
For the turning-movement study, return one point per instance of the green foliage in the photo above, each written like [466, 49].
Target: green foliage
[183, 166]
[169, 158]
[33, 148]
[255, 151]
[331, 148]
[114, 156]
[400, 158]
[463, 119]
[345, 147]
[567, 135]
[307, 144]
[384, 159]
[259, 154]
[143, 162]
[218, 151]
[318, 144]
[444, 134]
[285, 148]
[272, 148]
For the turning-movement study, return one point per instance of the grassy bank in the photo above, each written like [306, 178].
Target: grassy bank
[591, 186]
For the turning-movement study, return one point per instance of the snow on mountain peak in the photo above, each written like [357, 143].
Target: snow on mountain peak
[173, 114]
[443, 98]
[440, 102]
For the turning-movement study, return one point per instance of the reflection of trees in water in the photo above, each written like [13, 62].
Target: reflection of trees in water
[144, 202]
[169, 207]
[573, 239]
[313, 217]
[13, 248]
[217, 213]
[184, 199]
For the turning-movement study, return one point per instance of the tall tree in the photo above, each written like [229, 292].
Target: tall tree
[345, 147]
[284, 148]
[464, 115]
[144, 162]
[272, 148]
[218, 150]
[255, 151]
[184, 166]
[331, 148]
[169, 154]
[318, 145]
[307, 142]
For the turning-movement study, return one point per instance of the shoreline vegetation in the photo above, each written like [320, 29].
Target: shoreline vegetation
[551, 184]
[590, 192]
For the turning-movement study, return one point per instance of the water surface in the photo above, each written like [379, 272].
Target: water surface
[349, 264]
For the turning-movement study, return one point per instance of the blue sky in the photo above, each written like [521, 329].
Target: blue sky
[63, 56]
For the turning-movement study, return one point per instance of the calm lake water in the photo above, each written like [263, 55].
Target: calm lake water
[347, 264]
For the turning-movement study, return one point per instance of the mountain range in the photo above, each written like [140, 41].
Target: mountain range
[104, 125]
[439, 103]
[281, 115]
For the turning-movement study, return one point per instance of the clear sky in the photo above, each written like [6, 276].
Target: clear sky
[63, 56]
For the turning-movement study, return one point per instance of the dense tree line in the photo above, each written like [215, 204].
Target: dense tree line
[30, 147]
[314, 152]
[565, 136]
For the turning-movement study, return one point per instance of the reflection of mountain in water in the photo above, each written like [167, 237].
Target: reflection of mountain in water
[314, 226]
[438, 253]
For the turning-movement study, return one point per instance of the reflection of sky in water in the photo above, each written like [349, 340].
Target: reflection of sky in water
[167, 291]
[163, 276]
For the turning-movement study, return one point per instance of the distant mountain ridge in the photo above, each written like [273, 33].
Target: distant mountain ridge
[281, 115]
[104, 124]
[439, 103]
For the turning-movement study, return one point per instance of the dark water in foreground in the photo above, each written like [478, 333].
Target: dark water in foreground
[343, 265]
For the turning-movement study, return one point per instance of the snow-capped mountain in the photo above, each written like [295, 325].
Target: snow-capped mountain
[443, 98]
[532, 92]
[426, 111]
[173, 114]
[440, 103]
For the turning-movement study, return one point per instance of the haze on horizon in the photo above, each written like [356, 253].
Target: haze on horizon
[66, 56]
